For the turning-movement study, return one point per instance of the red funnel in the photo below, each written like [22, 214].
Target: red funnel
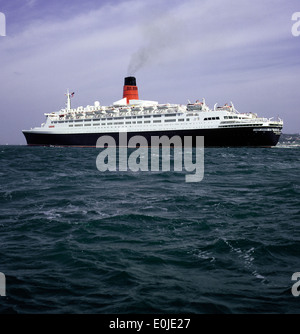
[130, 90]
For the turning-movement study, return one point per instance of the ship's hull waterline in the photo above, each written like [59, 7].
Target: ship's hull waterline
[226, 137]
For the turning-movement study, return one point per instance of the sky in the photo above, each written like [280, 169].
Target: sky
[242, 51]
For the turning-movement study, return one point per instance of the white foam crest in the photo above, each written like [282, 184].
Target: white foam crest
[247, 257]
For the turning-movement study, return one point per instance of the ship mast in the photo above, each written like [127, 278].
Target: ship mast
[68, 103]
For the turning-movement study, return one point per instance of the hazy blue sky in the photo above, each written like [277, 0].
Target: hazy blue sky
[224, 50]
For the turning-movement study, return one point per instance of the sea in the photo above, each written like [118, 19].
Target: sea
[77, 240]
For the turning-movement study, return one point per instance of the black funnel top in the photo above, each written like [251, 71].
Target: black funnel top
[130, 81]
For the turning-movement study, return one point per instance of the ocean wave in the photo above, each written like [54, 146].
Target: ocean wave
[76, 240]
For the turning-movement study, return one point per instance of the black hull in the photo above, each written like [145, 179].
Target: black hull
[224, 137]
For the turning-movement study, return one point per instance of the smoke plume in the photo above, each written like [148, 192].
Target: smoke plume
[162, 36]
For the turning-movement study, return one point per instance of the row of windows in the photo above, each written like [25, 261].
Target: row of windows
[238, 125]
[138, 122]
[122, 118]
[132, 117]
[148, 116]
[116, 118]
[211, 118]
[129, 122]
[133, 122]
[233, 117]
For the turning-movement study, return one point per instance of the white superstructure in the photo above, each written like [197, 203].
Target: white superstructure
[140, 116]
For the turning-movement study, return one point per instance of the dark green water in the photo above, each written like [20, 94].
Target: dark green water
[76, 240]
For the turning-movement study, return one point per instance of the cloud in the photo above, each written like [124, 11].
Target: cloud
[31, 3]
[162, 36]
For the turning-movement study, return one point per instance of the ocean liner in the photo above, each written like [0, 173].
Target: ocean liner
[222, 126]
